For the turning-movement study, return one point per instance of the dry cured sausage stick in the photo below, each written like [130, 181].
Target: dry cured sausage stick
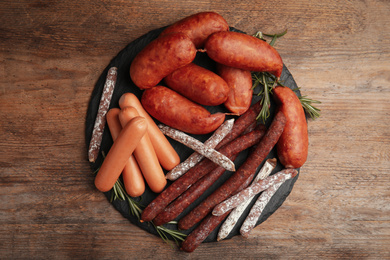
[235, 214]
[199, 234]
[100, 121]
[193, 193]
[256, 210]
[241, 124]
[253, 190]
[194, 158]
[194, 174]
[247, 169]
[199, 147]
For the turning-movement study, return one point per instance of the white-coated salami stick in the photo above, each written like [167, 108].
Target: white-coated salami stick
[100, 121]
[257, 208]
[194, 158]
[199, 147]
[252, 190]
[236, 213]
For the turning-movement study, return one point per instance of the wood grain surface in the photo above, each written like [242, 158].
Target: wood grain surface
[52, 53]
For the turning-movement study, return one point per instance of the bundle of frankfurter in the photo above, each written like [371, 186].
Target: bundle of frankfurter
[175, 95]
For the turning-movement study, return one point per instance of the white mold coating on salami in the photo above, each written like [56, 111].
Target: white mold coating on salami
[198, 146]
[194, 158]
[252, 190]
[230, 222]
[100, 120]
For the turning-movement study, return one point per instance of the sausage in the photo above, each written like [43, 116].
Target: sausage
[119, 153]
[198, 26]
[178, 112]
[166, 154]
[253, 190]
[199, 147]
[200, 233]
[241, 124]
[132, 177]
[246, 170]
[240, 88]
[160, 58]
[243, 51]
[189, 178]
[195, 157]
[100, 121]
[292, 147]
[145, 155]
[197, 189]
[234, 216]
[198, 84]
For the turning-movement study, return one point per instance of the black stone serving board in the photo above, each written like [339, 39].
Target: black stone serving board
[124, 84]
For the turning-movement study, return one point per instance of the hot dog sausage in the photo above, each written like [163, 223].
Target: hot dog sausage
[160, 58]
[199, 85]
[119, 153]
[292, 147]
[243, 51]
[167, 156]
[145, 155]
[240, 88]
[132, 177]
[178, 112]
[198, 26]
[246, 170]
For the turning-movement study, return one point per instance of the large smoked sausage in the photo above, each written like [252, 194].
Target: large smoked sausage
[240, 88]
[243, 51]
[198, 26]
[199, 85]
[178, 112]
[160, 58]
[292, 147]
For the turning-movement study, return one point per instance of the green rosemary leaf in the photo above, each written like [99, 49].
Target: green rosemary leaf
[313, 112]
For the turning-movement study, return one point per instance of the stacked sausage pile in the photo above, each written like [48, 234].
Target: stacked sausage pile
[180, 105]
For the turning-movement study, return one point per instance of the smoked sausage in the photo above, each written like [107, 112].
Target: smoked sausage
[247, 169]
[240, 88]
[198, 26]
[292, 147]
[243, 51]
[199, 85]
[178, 112]
[160, 58]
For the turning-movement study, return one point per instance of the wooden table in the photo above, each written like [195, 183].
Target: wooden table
[52, 53]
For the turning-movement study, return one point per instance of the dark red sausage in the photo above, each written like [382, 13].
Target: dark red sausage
[241, 124]
[199, 85]
[247, 169]
[196, 190]
[240, 88]
[199, 26]
[178, 112]
[292, 147]
[243, 51]
[194, 174]
[160, 58]
[200, 233]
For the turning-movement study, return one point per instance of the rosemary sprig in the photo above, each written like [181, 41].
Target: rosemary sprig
[265, 81]
[177, 236]
[306, 103]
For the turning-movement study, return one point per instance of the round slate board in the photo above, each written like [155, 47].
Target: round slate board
[124, 84]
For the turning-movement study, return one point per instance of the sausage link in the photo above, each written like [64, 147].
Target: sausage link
[248, 168]
[198, 26]
[292, 147]
[239, 50]
[205, 166]
[160, 58]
